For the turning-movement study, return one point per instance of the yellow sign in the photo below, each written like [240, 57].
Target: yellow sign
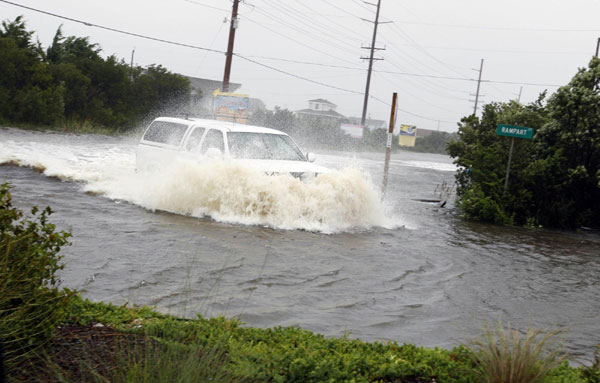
[230, 107]
[408, 135]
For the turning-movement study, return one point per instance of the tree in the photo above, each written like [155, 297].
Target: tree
[482, 157]
[554, 178]
[27, 90]
[568, 154]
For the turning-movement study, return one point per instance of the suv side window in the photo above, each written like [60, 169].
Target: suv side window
[164, 132]
[193, 142]
[213, 139]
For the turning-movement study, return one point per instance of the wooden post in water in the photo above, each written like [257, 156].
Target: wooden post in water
[388, 148]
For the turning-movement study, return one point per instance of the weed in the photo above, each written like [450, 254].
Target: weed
[503, 355]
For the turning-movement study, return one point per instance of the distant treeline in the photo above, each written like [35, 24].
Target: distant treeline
[319, 133]
[554, 178]
[70, 82]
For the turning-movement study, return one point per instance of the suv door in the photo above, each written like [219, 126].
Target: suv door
[213, 139]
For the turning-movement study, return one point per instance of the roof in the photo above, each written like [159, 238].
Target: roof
[322, 101]
[209, 86]
[321, 113]
[226, 125]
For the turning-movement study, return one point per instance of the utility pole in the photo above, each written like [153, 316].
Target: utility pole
[520, 92]
[229, 54]
[131, 65]
[371, 58]
[478, 86]
[388, 147]
[597, 46]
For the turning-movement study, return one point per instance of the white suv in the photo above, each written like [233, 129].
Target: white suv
[268, 150]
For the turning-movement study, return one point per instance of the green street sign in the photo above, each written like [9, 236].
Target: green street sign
[514, 131]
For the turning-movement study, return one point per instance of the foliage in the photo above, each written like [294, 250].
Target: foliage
[72, 81]
[294, 355]
[436, 142]
[31, 304]
[554, 178]
[504, 356]
[152, 361]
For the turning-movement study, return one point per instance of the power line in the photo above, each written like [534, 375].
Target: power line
[88, 24]
[517, 29]
[293, 74]
[206, 6]
[292, 14]
[294, 40]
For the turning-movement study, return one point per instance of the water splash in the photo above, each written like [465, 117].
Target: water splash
[224, 191]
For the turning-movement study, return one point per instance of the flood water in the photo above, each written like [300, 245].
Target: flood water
[326, 256]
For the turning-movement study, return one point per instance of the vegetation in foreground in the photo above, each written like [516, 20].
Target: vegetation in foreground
[70, 339]
[555, 178]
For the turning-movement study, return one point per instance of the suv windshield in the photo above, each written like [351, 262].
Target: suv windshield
[263, 146]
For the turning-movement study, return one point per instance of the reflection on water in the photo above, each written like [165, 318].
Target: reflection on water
[428, 279]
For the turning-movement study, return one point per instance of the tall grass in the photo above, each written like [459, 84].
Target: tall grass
[152, 362]
[504, 355]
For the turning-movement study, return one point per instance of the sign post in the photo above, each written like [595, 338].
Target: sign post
[513, 132]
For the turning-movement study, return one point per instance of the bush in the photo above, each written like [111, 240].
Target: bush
[31, 304]
[475, 204]
[504, 356]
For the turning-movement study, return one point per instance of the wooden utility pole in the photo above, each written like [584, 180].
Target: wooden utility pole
[388, 148]
[478, 86]
[371, 58]
[131, 66]
[597, 46]
[229, 54]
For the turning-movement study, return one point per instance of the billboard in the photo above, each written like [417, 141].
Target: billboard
[230, 107]
[354, 131]
[408, 135]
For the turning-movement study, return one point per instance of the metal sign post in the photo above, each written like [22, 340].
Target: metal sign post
[388, 148]
[513, 132]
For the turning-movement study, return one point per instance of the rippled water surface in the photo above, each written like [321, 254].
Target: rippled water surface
[326, 256]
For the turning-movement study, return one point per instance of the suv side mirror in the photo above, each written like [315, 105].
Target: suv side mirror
[311, 157]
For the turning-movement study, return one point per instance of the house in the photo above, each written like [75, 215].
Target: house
[321, 110]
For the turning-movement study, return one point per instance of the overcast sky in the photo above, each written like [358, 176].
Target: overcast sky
[428, 45]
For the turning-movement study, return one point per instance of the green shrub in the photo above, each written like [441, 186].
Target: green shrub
[475, 204]
[31, 304]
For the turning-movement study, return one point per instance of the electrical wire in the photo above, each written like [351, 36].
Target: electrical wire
[517, 29]
[274, 68]
[207, 6]
[88, 24]
[296, 41]
[291, 14]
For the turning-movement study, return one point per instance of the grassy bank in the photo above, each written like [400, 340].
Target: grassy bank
[106, 343]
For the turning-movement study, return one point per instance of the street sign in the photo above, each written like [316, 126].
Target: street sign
[514, 131]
